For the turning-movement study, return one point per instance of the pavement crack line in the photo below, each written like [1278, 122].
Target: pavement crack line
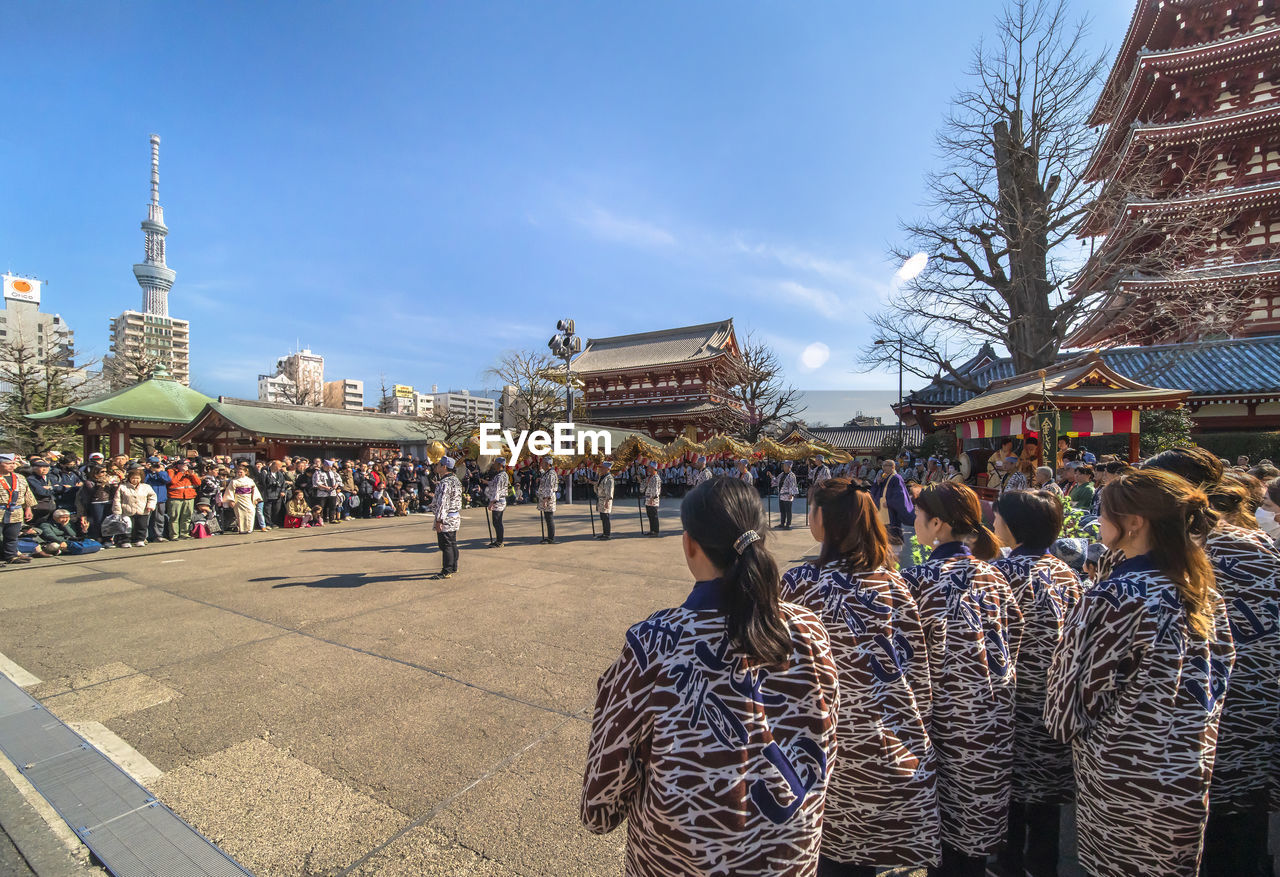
[448, 800]
[440, 674]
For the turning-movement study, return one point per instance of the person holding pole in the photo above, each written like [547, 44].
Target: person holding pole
[548, 484]
[652, 495]
[495, 492]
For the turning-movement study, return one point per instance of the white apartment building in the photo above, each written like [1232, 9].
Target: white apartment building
[474, 408]
[306, 370]
[277, 388]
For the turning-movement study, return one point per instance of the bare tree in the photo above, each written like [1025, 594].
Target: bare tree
[538, 380]
[450, 427]
[30, 383]
[1002, 234]
[760, 400]
[294, 393]
[129, 367]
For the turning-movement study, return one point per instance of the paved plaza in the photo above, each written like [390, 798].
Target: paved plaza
[315, 704]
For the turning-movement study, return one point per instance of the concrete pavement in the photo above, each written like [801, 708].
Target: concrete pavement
[315, 704]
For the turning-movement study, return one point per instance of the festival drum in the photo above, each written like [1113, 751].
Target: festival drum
[973, 465]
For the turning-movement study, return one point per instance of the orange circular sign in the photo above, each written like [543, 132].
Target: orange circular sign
[21, 286]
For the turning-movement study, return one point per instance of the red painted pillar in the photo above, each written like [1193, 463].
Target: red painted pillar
[1135, 448]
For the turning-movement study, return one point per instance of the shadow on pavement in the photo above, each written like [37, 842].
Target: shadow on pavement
[350, 580]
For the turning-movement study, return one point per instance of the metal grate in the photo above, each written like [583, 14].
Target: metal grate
[130, 832]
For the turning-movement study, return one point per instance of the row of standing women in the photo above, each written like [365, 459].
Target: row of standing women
[845, 717]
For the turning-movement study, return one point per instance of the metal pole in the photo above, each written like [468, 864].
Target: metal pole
[568, 416]
[591, 510]
[640, 511]
[488, 526]
[901, 441]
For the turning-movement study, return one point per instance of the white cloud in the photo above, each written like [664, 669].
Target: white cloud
[624, 230]
[821, 300]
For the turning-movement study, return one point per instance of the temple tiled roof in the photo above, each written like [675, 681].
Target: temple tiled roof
[270, 420]
[665, 347]
[1232, 366]
[859, 438]
[633, 411]
[157, 400]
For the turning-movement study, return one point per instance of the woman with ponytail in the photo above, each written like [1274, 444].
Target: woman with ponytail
[1136, 685]
[714, 732]
[970, 621]
[1246, 768]
[882, 806]
[1046, 589]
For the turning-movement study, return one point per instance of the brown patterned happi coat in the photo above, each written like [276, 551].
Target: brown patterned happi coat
[1246, 771]
[1139, 697]
[970, 620]
[1046, 590]
[882, 806]
[719, 768]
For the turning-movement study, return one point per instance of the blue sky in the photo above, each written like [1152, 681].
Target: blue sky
[411, 188]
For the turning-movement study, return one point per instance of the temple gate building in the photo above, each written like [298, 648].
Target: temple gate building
[665, 383]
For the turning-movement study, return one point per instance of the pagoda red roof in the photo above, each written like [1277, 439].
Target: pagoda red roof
[1153, 27]
[1240, 198]
[1211, 279]
[1233, 125]
[1141, 91]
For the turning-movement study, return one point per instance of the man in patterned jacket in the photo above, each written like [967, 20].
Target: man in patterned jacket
[700, 473]
[604, 496]
[495, 491]
[652, 494]
[447, 506]
[16, 504]
[548, 485]
[787, 492]
[820, 471]
[744, 474]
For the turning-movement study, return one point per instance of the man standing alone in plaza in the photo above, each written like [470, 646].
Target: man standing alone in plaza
[15, 506]
[652, 496]
[182, 497]
[787, 492]
[447, 505]
[548, 485]
[604, 496]
[495, 492]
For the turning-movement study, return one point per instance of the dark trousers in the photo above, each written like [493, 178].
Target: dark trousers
[957, 864]
[550, 518]
[784, 512]
[1235, 845]
[498, 531]
[653, 518]
[330, 504]
[11, 532]
[831, 868]
[1031, 845]
[604, 523]
[448, 542]
[139, 533]
[97, 511]
[157, 524]
[273, 511]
